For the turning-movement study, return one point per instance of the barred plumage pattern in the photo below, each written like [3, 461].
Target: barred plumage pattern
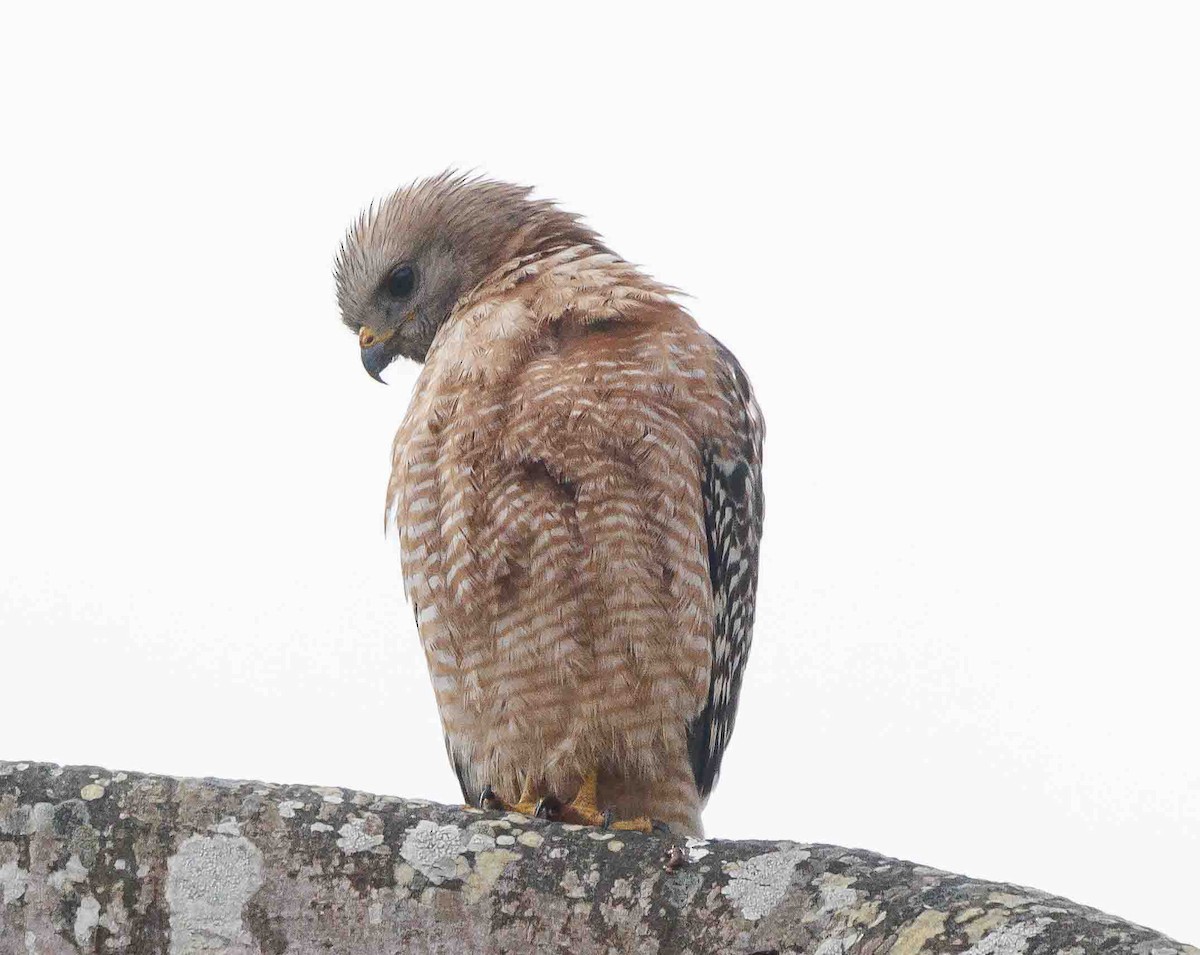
[733, 518]
[548, 486]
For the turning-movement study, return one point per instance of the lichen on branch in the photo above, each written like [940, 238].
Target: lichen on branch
[96, 861]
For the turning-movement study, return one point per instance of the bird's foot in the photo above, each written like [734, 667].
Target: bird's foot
[526, 805]
[637, 824]
[580, 811]
[583, 811]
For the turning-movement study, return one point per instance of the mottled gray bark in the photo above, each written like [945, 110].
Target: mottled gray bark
[96, 861]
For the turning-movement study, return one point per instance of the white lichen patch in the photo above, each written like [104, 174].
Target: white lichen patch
[433, 850]
[91, 791]
[360, 835]
[229, 826]
[41, 819]
[600, 836]
[72, 872]
[836, 892]
[838, 944]
[87, 917]
[696, 849]
[759, 884]
[482, 841]
[616, 845]
[321, 827]
[488, 868]
[403, 873]
[287, 808]
[506, 841]
[329, 794]
[209, 880]
[530, 839]
[13, 882]
[1012, 939]
[680, 888]
[577, 888]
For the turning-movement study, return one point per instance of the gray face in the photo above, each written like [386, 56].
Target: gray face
[409, 302]
[405, 264]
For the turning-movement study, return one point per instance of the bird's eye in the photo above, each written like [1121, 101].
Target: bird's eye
[400, 281]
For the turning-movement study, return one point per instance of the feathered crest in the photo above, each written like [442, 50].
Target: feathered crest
[486, 221]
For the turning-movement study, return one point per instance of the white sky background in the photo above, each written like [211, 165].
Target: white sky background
[955, 246]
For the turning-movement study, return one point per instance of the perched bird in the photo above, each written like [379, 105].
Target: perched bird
[577, 489]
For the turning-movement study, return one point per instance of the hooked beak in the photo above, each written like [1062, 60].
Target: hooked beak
[376, 353]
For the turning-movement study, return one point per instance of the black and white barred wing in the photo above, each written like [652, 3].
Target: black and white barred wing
[733, 517]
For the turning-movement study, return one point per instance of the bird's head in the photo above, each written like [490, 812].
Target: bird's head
[407, 260]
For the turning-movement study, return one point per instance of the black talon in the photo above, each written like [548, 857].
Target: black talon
[489, 800]
[609, 817]
[548, 807]
[660, 827]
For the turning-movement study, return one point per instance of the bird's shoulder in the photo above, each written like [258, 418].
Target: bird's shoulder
[580, 338]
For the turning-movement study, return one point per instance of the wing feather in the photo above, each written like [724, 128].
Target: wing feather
[733, 516]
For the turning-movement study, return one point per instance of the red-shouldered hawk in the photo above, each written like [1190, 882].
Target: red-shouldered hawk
[577, 489]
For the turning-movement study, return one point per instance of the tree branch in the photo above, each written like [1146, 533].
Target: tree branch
[96, 861]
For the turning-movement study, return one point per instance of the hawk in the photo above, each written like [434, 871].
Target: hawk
[578, 494]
